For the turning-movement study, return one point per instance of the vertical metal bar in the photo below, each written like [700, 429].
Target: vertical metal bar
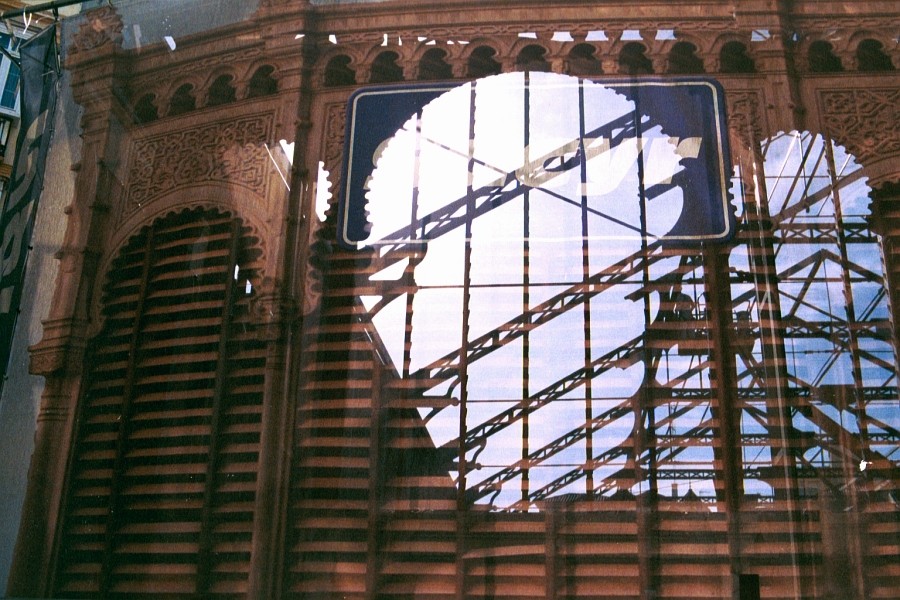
[462, 509]
[586, 307]
[204, 558]
[762, 254]
[852, 334]
[848, 467]
[725, 409]
[526, 281]
[780, 425]
[645, 409]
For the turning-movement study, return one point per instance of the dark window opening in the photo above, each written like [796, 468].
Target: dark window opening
[221, 91]
[532, 58]
[633, 60]
[385, 68]
[583, 61]
[434, 65]
[870, 57]
[482, 63]
[822, 58]
[683, 59]
[182, 100]
[262, 83]
[145, 109]
[338, 72]
[734, 59]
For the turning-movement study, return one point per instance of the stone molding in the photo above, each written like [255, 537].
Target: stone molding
[864, 121]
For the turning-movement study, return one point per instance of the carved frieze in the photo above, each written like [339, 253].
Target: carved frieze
[865, 121]
[544, 30]
[232, 151]
[808, 24]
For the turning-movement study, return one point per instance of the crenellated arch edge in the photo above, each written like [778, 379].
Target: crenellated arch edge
[882, 170]
[884, 200]
[226, 198]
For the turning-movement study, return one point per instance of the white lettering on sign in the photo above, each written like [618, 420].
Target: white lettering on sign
[606, 166]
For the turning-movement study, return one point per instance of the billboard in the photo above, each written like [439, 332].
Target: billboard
[622, 149]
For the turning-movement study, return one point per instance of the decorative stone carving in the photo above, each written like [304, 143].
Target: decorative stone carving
[745, 120]
[321, 235]
[202, 66]
[335, 125]
[232, 151]
[100, 27]
[848, 24]
[544, 29]
[865, 122]
[312, 283]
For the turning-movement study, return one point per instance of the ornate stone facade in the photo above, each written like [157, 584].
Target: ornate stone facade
[865, 118]
[200, 128]
[232, 151]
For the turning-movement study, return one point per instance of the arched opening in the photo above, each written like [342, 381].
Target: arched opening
[221, 91]
[633, 60]
[145, 110]
[583, 61]
[262, 83]
[166, 450]
[532, 58]
[870, 57]
[385, 68]
[433, 65]
[828, 287]
[822, 58]
[482, 63]
[182, 100]
[683, 59]
[734, 59]
[338, 71]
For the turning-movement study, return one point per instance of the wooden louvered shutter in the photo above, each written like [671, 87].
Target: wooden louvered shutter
[163, 475]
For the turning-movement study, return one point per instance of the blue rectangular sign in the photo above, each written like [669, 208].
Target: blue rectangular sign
[645, 158]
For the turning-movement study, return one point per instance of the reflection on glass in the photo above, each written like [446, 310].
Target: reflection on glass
[838, 385]
[520, 277]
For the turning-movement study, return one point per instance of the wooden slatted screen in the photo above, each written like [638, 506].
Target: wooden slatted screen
[163, 475]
